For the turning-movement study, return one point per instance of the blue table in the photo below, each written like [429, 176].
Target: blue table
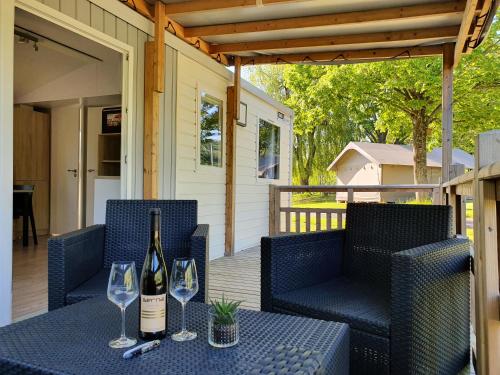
[74, 340]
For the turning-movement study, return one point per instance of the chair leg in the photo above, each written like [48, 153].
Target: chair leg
[25, 222]
[33, 227]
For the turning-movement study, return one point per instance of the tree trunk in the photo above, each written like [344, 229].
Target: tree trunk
[305, 151]
[420, 126]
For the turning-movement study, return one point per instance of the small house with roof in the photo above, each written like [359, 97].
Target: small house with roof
[365, 163]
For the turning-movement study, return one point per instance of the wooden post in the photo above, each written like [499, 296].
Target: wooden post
[447, 115]
[159, 52]
[237, 87]
[230, 172]
[151, 126]
[486, 239]
[350, 195]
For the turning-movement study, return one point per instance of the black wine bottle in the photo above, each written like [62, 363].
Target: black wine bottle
[153, 307]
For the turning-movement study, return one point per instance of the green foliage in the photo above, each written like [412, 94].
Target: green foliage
[395, 101]
[224, 311]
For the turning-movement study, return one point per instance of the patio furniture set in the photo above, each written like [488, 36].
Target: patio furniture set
[387, 295]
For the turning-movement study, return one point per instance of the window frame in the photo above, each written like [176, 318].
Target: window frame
[203, 95]
[266, 180]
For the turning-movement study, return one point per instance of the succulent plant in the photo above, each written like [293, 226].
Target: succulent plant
[224, 311]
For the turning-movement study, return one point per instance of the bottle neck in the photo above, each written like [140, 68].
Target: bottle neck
[155, 229]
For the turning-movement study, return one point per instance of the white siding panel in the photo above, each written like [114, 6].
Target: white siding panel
[205, 184]
[110, 24]
[83, 11]
[121, 30]
[52, 3]
[68, 7]
[252, 193]
[96, 17]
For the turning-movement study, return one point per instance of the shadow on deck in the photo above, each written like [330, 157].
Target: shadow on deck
[237, 277]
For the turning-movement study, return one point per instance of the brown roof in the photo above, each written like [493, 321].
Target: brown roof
[381, 153]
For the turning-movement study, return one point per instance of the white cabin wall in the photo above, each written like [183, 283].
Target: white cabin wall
[206, 184]
[355, 169]
[252, 193]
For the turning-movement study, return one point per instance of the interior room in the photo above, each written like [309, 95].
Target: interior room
[67, 145]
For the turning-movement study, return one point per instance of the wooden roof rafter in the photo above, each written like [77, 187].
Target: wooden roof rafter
[148, 10]
[375, 15]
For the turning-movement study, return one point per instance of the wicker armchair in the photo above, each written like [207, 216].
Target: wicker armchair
[79, 261]
[394, 275]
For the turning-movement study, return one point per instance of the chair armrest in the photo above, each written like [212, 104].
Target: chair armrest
[295, 261]
[73, 258]
[199, 251]
[430, 308]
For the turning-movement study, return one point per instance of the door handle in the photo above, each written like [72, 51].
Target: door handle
[90, 170]
[74, 171]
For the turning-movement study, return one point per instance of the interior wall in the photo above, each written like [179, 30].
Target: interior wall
[32, 162]
[90, 80]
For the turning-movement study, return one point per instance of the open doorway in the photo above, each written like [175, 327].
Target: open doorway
[68, 144]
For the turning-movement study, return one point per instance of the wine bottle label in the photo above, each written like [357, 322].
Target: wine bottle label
[153, 310]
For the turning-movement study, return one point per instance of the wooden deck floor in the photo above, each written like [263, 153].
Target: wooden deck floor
[238, 278]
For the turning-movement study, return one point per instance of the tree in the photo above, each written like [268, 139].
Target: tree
[385, 102]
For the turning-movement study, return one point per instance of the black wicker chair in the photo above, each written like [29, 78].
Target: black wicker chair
[394, 274]
[79, 261]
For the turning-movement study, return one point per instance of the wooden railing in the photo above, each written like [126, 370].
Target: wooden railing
[483, 185]
[284, 218]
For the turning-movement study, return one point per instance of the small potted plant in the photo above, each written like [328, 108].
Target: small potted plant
[223, 324]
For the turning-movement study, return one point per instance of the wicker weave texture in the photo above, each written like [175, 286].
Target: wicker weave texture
[375, 231]
[291, 262]
[80, 260]
[431, 308]
[403, 256]
[74, 340]
[128, 229]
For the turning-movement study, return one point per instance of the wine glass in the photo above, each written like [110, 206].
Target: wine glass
[122, 291]
[183, 286]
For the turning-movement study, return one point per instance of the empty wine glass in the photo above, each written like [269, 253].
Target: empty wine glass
[122, 291]
[183, 286]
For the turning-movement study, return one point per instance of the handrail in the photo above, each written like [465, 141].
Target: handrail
[284, 219]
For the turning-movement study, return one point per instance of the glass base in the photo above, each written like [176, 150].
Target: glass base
[122, 342]
[184, 336]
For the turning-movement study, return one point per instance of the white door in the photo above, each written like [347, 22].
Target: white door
[65, 123]
[93, 129]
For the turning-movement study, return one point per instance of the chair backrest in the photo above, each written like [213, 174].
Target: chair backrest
[128, 229]
[375, 231]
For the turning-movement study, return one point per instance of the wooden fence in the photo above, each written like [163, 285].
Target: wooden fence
[483, 185]
[283, 218]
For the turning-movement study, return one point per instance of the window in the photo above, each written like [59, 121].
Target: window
[269, 150]
[210, 131]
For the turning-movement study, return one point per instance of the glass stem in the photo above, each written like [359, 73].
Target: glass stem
[183, 316]
[123, 323]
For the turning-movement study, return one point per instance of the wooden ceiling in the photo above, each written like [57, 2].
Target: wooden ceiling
[321, 31]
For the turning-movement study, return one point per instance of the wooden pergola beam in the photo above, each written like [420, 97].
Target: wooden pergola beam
[230, 172]
[141, 7]
[414, 11]
[343, 57]
[178, 30]
[463, 35]
[159, 53]
[338, 40]
[477, 28]
[207, 5]
[151, 125]
[447, 112]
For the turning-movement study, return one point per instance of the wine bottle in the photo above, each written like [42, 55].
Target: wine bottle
[153, 311]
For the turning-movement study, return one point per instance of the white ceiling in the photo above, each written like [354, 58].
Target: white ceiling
[34, 69]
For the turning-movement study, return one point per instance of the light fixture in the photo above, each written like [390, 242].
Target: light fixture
[25, 38]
